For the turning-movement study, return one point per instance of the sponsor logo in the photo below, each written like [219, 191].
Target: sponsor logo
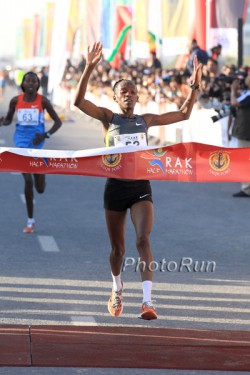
[219, 161]
[158, 163]
[111, 160]
[159, 152]
[161, 161]
[143, 196]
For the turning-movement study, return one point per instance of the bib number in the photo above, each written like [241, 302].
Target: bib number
[137, 139]
[28, 116]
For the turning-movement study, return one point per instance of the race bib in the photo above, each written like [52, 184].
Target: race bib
[28, 116]
[137, 139]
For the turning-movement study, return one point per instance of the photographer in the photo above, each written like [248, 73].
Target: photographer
[241, 127]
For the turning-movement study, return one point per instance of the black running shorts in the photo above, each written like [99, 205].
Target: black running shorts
[122, 194]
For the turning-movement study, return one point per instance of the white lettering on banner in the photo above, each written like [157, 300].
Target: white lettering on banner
[34, 163]
[40, 163]
[222, 173]
[63, 165]
[113, 169]
[153, 170]
[72, 160]
[177, 162]
[179, 171]
[27, 116]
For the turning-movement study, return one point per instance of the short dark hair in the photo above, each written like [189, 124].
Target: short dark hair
[35, 75]
[121, 80]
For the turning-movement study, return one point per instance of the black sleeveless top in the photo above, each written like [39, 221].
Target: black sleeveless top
[125, 131]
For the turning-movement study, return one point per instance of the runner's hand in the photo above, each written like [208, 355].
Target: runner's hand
[197, 72]
[1, 121]
[94, 54]
[38, 138]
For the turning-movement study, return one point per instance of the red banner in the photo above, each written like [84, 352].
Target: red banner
[185, 162]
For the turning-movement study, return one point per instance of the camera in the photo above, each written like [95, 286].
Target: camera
[226, 79]
[221, 113]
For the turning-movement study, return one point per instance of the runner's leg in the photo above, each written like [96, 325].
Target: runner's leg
[40, 182]
[142, 216]
[115, 221]
[116, 228]
[28, 193]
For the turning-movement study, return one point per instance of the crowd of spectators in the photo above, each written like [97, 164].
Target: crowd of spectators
[159, 85]
[160, 88]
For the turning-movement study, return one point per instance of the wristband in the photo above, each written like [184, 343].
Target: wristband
[47, 135]
[194, 86]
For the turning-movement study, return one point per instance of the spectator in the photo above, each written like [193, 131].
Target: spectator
[81, 65]
[216, 55]
[155, 62]
[44, 80]
[241, 128]
[201, 54]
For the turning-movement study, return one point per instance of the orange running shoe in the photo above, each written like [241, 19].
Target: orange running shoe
[115, 303]
[148, 311]
[29, 228]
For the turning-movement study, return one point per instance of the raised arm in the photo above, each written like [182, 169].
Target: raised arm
[94, 55]
[186, 109]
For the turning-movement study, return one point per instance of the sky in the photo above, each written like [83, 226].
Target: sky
[12, 11]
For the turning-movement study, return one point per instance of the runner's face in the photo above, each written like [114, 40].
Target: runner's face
[30, 83]
[126, 95]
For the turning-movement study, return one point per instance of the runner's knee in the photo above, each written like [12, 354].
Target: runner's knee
[117, 251]
[40, 188]
[40, 184]
[142, 242]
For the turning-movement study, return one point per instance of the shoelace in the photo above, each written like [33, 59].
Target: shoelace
[117, 299]
[149, 305]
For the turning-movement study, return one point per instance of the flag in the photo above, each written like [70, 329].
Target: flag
[107, 25]
[49, 20]
[28, 38]
[58, 46]
[37, 22]
[123, 24]
[140, 45]
[175, 26]
[223, 24]
[92, 21]
[225, 13]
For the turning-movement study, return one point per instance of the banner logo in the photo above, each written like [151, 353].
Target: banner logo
[111, 160]
[219, 161]
[159, 152]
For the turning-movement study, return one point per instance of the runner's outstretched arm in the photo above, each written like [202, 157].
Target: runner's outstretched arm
[186, 109]
[94, 55]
